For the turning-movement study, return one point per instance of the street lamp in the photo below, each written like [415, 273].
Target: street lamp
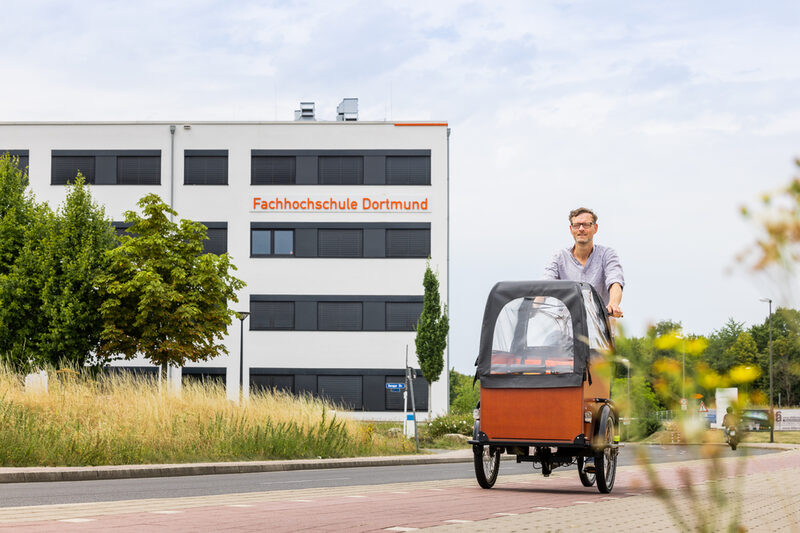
[771, 407]
[241, 315]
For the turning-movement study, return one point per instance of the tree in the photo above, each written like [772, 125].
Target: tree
[786, 352]
[21, 320]
[163, 297]
[16, 211]
[717, 356]
[432, 328]
[743, 351]
[77, 257]
[22, 223]
[51, 311]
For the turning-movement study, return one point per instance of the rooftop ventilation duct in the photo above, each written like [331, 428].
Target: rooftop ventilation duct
[347, 111]
[306, 111]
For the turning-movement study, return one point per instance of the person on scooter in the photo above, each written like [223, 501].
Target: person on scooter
[730, 420]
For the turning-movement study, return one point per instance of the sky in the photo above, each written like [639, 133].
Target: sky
[663, 117]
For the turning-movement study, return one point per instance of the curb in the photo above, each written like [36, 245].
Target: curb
[49, 474]
[92, 473]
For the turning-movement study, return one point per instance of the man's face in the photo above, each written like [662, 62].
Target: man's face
[583, 228]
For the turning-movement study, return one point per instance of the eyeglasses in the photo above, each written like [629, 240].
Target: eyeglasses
[579, 225]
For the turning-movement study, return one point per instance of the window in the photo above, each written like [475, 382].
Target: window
[342, 390]
[408, 242]
[273, 170]
[339, 316]
[341, 170]
[408, 170]
[394, 400]
[22, 156]
[217, 242]
[65, 168]
[271, 315]
[267, 382]
[402, 316]
[121, 228]
[340, 243]
[107, 167]
[139, 170]
[533, 336]
[269, 242]
[205, 167]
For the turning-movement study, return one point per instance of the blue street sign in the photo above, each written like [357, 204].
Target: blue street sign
[396, 387]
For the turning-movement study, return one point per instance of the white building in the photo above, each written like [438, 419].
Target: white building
[329, 224]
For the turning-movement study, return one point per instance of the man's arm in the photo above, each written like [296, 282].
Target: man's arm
[614, 299]
[615, 280]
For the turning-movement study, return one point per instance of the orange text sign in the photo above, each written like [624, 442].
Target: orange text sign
[339, 204]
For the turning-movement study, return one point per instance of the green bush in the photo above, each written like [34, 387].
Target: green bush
[463, 395]
[453, 423]
[639, 428]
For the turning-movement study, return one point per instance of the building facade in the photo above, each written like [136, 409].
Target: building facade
[330, 225]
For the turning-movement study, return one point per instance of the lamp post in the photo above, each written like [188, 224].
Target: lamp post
[241, 315]
[771, 408]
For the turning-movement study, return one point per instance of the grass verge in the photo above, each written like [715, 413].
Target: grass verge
[84, 420]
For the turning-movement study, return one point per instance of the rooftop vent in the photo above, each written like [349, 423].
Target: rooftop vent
[306, 111]
[347, 111]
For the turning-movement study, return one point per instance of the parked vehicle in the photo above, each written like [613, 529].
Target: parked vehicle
[543, 398]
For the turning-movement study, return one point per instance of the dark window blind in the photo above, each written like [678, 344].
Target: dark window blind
[65, 168]
[340, 243]
[341, 170]
[272, 170]
[408, 170]
[205, 170]
[408, 242]
[139, 170]
[339, 316]
[272, 315]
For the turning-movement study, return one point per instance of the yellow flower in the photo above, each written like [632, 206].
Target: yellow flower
[696, 346]
[744, 374]
[667, 342]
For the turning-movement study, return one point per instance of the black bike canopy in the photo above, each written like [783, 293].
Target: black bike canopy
[541, 334]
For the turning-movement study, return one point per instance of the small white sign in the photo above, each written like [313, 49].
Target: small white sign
[787, 420]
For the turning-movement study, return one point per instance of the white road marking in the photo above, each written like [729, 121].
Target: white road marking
[438, 490]
[77, 520]
[505, 514]
[303, 481]
[579, 501]
[543, 508]
[459, 521]
[399, 492]
[400, 528]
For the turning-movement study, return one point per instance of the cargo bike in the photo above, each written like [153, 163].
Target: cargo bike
[544, 371]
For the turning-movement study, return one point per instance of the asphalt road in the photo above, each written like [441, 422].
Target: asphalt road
[26, 494]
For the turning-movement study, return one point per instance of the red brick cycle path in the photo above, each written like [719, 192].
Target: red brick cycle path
[369, 508]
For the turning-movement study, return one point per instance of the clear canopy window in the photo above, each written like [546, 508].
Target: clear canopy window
[533, 336]
[596, 322]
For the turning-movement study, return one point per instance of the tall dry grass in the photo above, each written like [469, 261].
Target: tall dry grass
[122, 419]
